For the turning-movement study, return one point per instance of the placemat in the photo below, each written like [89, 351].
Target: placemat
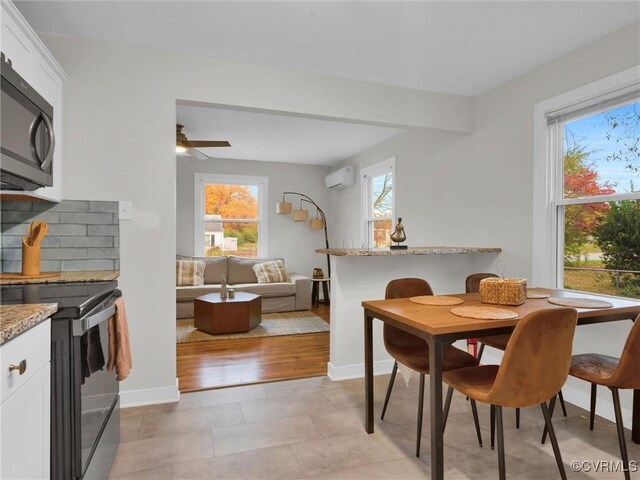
[484, 313]
[533, 295]
[577, 302]
[436, 300]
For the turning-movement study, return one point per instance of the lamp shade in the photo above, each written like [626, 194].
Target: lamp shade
[316, 224]
[300, 215]
[283, 208]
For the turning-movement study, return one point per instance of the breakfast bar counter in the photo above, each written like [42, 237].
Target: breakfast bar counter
[362, 274]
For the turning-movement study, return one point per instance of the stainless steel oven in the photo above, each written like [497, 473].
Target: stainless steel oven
[27, 141]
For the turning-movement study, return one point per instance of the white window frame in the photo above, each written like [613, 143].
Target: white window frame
[548, 230]
[200, 179]
[366, 174]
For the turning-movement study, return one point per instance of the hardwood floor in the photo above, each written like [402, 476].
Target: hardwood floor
[207, 365]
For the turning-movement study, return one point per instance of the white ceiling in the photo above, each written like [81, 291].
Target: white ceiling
[278, 138]
[456, 47]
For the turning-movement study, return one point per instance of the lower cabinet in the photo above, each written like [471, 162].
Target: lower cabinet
[25, 414]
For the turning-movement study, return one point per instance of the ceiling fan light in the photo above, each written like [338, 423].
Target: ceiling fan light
[300, 215]
[181, 149]
[283, 208]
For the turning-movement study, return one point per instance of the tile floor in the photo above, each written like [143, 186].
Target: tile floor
[313, 428]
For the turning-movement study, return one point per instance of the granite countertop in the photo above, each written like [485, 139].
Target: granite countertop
[67, 277]
[16, 319]
[364, 252]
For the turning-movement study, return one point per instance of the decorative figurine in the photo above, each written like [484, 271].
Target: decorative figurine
[318, 273]
[398, 236]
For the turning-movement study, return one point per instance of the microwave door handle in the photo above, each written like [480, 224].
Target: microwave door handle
[52, 142]
[33, 130]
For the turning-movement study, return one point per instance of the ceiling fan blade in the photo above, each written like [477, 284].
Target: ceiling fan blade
[197, 154]
[206, 143]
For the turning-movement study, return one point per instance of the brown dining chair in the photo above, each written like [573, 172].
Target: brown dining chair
[534, 367]
[615, 374]
[499, 342]
[414, 352]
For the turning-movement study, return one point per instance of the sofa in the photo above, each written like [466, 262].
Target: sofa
[276, 297]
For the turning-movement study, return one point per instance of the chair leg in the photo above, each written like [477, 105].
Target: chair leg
[447, 406]
[517, 418]
[564, 407]
[552, 406]
[420, 410]
[480, 351]
[389, 388]
[554, 440]
[501, 465]
[493, 425]
[592, 411]
[474, 410]
[620, 427]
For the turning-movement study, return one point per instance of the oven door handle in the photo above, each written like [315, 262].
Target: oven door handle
[80, 326]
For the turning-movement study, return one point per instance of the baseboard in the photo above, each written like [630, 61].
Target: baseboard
[347, 372]
[579, 398]
[150, 396]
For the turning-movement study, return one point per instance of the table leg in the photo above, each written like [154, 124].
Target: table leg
[635, 422]
[325, 292]
[368, 372]
[435, 397]
[314, 294]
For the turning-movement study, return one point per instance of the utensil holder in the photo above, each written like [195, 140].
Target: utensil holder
[30, 260]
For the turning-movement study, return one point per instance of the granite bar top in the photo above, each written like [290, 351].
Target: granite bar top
[16, 319]
[364, 252]
[67, 277]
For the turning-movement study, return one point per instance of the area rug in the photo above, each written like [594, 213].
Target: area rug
[273, 325]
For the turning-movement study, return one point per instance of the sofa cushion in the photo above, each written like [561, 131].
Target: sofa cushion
[188, 293]
[189, 272]
[271, 272]
[215, 267]
[267, 290]
[241, 269]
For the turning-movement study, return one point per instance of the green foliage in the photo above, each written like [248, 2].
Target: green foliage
[618, 235]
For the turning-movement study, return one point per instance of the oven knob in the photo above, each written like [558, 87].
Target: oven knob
[21, 367]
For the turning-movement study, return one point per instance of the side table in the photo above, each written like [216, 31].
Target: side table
[315, 290]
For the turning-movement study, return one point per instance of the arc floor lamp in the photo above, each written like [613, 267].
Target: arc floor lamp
[302, 215]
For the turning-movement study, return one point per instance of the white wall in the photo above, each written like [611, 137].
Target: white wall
[478, 189]
[119, 134]
[293, 241]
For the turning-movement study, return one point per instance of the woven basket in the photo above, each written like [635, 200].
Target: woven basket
[503, 291]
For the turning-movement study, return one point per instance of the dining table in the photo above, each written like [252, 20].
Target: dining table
[439, 327]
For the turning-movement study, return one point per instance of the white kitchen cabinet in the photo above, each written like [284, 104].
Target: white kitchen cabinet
[25, 411]
[33, 61]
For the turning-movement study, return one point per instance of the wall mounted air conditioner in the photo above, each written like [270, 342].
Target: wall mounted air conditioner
[342, 178]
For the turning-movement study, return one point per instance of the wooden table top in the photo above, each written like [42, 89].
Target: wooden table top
[438, 320]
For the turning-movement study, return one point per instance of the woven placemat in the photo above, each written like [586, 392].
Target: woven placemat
[484, 313]
[436, 300]
[577, 302]
[533, 295]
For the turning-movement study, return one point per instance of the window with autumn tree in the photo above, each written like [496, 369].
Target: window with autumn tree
[598, 197]
[229, 217]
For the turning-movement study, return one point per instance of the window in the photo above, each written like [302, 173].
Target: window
[230, 215]
[379, 203]
[593, 192]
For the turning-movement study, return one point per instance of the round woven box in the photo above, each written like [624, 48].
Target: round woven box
[436, 300]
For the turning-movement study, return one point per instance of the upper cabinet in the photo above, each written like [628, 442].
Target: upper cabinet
[33, 61]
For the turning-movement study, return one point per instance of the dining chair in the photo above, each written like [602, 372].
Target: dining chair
[414, 352]
[534, 367]
[499, 342]
[615, 374]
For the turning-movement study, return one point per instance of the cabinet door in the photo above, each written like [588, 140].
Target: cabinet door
[25, 429]
[16, 46]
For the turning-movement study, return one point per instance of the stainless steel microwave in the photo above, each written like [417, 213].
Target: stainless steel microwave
[27, 141]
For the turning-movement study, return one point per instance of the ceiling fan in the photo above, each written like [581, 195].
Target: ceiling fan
[184, 145]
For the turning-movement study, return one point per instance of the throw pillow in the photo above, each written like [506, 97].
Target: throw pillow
[271, 272]
[189, 272]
